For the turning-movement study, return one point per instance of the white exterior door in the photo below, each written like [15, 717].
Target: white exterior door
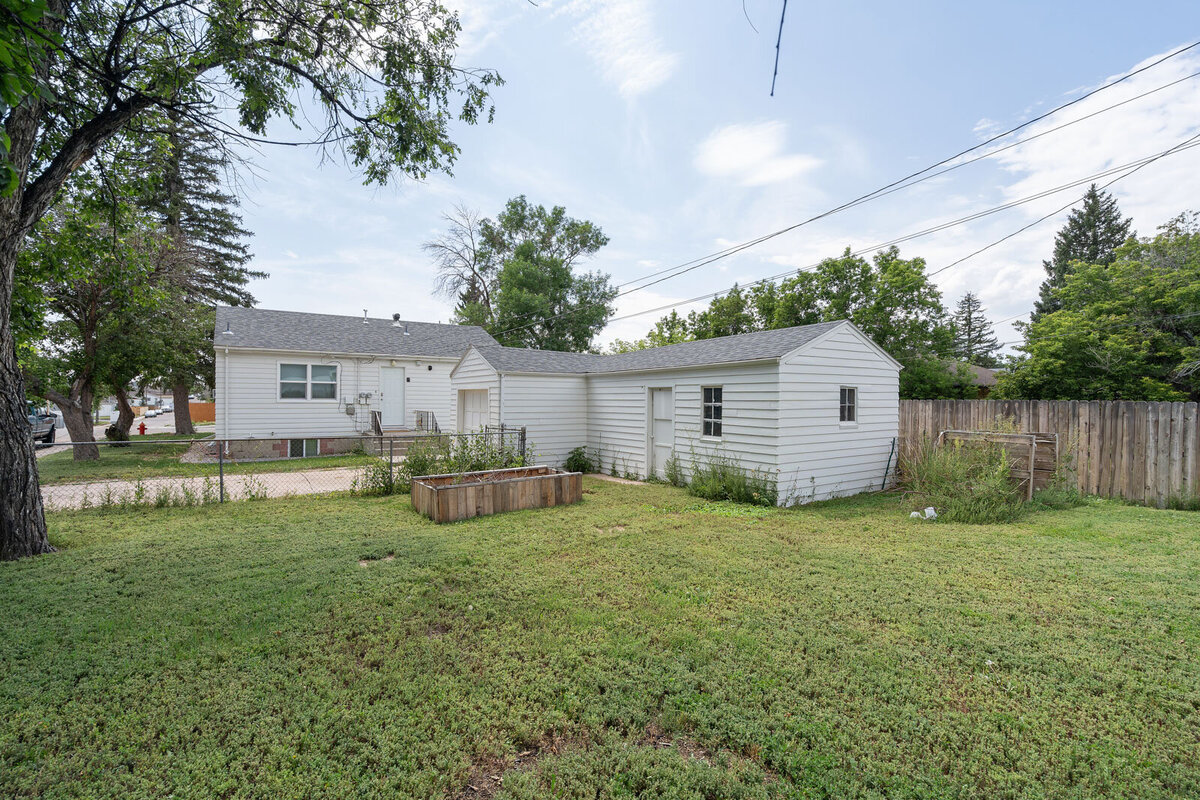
[662, 429]
[391, 396]
[473, 409]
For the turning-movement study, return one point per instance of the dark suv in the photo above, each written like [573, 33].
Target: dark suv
[43, 427]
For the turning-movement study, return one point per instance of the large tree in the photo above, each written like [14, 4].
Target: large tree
[382, 71]
[1092, 235]
[515, 275]
[1126, 330]
[975, 340]
[540, 302]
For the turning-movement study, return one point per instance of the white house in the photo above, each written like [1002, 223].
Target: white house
[295, 377]
[814, 407]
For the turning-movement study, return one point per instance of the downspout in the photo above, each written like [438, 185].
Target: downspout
[500, 413]
[225, 400]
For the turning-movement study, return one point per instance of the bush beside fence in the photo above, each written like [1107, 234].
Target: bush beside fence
[1137, 451]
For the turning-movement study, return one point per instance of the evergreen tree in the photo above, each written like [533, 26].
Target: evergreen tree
[974, 340]
[1092, 235]
[202, 223]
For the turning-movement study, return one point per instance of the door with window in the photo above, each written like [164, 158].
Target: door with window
[473, 409]
[662, 429]
[391, 397]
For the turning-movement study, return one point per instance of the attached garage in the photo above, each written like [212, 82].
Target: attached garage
[814, 408]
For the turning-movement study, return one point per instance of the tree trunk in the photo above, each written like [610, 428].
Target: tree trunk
[183, 412]
[22, 520]
[124, 412]
[78, 419]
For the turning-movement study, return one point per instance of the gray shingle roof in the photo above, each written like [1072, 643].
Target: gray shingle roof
[724, 350]
[327, 333]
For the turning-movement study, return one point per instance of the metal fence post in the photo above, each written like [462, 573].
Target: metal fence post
[521, 442]
[221, 468]
[391, 460]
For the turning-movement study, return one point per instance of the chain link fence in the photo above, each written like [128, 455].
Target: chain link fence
[162, 472]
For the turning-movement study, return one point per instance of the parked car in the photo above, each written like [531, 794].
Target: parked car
[43, 427]
[152, 412]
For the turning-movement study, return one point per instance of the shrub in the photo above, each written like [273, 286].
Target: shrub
[673, 471]
[965, 482]
[720, 477]
[1057, 497]
[579, 460]
[1184, 502]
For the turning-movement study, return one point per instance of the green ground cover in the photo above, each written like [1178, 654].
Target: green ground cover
[641, 644]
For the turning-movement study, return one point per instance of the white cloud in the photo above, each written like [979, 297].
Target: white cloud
[752, 154]
[619, 36]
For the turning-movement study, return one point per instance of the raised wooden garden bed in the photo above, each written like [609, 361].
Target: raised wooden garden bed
[447, 498]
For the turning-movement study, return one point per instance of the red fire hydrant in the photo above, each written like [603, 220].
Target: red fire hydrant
[142, 429]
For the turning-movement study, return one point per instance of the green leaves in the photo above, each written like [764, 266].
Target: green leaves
[1127, 330]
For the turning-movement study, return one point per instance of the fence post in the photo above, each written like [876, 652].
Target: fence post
[521, 442]
[391, 460]
[221, 468]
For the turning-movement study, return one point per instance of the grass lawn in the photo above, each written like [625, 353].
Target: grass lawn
[640, 644]
[149, 459]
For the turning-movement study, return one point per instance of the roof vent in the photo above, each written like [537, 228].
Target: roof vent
[365, 320]
[395, 320]
[227, 332]
[406, 329]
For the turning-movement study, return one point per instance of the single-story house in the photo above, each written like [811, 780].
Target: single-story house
[296, 378]
[813, 407]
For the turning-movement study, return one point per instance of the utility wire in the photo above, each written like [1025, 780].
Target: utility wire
[778, 39]
[908, 180]
[1128, 168]
[896, 186]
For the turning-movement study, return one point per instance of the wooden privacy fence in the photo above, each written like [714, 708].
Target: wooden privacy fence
[1138, 451]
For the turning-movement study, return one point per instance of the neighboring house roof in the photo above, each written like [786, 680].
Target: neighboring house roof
[264, 329]
[757, 346]
[983, 375]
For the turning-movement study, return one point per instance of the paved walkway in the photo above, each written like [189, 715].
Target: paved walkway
[237, 487]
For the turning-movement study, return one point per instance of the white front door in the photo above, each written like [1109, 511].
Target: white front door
[391, 396]
[473, 405]
[662, 429]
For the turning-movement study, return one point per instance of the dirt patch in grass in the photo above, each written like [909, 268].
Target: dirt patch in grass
[366, 562]
[655, 737]
[486, 776]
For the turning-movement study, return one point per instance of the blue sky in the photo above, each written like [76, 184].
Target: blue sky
[653, 119]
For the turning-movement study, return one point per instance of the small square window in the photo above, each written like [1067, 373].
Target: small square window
[848, 404]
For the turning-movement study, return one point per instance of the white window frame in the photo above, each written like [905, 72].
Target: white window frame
[705, 419]
[304, 448]
[843, 405]
[308, 382]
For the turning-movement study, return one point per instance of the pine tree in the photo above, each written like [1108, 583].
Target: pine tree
[1092, 235]
[205, 228]
[974, 340]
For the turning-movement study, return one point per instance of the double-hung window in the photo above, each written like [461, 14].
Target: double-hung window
[712, 414]
[848, 404]
[307, 382]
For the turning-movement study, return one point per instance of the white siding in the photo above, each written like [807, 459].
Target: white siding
[820, 457]
[553, 409]
[473, 372]
[618, 405]
[248, 404]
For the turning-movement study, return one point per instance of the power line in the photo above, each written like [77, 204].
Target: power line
[903, 183]
[1130, 167]
[907, 180]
